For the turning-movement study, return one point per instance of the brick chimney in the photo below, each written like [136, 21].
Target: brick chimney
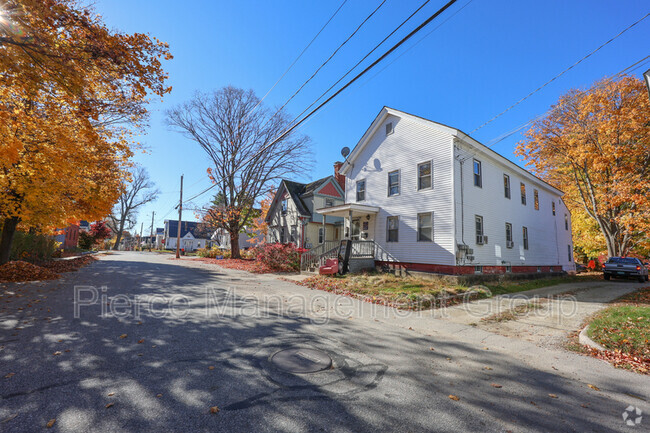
[338, 176]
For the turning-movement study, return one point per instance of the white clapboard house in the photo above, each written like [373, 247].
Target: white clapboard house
[436, 200]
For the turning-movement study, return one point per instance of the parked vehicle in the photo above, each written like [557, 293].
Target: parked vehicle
[581, 268]
[625, 267]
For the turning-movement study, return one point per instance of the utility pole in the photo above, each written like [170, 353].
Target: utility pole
[140, 240]
[151, 236]
[180, 215]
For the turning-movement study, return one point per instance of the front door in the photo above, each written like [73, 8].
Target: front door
[356, 229]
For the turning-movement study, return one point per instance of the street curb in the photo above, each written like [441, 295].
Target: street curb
[584, 339]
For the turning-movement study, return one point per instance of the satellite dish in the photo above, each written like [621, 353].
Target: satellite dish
[345, 152]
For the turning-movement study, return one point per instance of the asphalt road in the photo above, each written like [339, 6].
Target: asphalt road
[201, 337]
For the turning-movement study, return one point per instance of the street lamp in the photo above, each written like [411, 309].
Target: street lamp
[646, 77]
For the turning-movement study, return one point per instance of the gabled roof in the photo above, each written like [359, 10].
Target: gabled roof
[387, 111]
[299, 191]
[186, 227]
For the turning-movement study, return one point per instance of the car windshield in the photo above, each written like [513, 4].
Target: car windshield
[624, 260]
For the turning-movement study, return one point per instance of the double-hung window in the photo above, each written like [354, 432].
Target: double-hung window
[284, 206]
[536, 199]
[553, 207]
[393, 183]
[425, 227]
[508, 235]
[506, 186]
[392, 229]
[525, 237]
[522, 187]
[361, 190]
[425, 175]
[566, 222]
[478, 222]
[478, 174]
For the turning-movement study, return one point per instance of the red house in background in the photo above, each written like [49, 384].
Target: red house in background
[69, 237]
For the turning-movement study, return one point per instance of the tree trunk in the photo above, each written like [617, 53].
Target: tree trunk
[118, 237]
[234, 246]
[8, 230]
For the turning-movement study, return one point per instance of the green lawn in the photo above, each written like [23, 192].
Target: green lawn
[623, 327]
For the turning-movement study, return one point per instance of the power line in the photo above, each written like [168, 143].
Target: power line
[560, 74]
[299, 56]
[359, 75]
[502, 137]
[363, 58]
[329, 58]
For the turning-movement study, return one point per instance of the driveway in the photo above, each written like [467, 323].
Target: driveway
[200, 336]
[549, 315]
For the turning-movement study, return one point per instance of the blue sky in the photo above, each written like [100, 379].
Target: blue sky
[479, 62]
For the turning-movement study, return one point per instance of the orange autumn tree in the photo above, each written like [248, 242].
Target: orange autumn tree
[259, 225]
[72, 96]
[595, 146]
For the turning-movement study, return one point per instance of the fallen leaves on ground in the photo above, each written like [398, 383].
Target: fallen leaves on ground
[123, 336]
[109, 405]
[9, 375]
[496, 385]
[71, 265]
[17, 271]
[640, 364]
[552, 395]
[595, 388]
[214, 409]
[454, 397]
[50, 423]
[240, 265]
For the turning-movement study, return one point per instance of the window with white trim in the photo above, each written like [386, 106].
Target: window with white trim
[478, 223]
[506, 186]
[425, 175]
[393, 183]
[553, 207]
[392, 229]
[508, 235]
[285, 205]
[566, 222]
[361, 190]
[570, 251]
[478, 174]
[425, 227]
[525, 237]
[329, 202]
[522, 187]
[536, 199]
[389, 128]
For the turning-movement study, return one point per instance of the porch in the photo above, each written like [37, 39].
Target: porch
[359, 219]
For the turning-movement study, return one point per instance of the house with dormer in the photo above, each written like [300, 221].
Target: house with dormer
[293, 216]
[192, 238]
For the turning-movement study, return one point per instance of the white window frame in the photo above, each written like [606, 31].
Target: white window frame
[321, 235]
[566, 222]
[477, 176]
[522, 192]
[390, 128]
[328, 201]
[507, 191]
[430, 175]
[284, 206]
[536, 199]
[570, 251]
[481, 232]
[388, 219]
[509, 231]
[524, 235]
[360, 182]
[399, 181]
[553, 207]
[419, 227]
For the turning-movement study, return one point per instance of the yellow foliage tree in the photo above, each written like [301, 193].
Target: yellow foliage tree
[595, 146]
[72, 95]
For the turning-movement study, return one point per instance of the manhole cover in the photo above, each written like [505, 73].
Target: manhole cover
[301, 360]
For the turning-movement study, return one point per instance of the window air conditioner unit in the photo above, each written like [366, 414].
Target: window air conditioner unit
[510, 244]
[481, 239]
[470, 258]
[470, 251]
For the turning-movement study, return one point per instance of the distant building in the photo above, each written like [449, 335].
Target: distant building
[68, 237]
[191, 236]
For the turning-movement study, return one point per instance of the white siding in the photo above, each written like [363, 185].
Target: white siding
[411, 143]
[547, 237]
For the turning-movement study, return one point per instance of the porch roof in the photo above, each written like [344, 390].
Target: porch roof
[344, 210]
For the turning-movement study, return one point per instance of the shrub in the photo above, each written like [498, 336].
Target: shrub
[34, 248]
[279, 257]
[86, 240]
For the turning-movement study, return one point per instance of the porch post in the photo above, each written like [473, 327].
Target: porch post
[324, 229]
[350, 224]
